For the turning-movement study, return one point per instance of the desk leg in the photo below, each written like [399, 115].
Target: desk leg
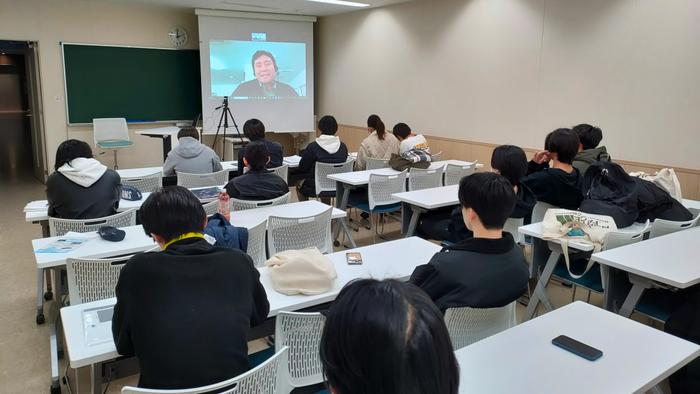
[639, 284]
[167, 146]
[45, 233]
[342, 194]
[96, 378]
[540, 293]
[347, 232]
[55, 383]
[415, 214]
[40, 296]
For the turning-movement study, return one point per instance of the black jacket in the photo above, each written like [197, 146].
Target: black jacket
[254, 89]
[257, 185]
[276, 155]
[185, 313]
[307, 166]
[554, 186]
[68, 200]
[476, 272]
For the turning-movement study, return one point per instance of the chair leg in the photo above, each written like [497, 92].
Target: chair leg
[116, 164]
[573, 293]
[372, 228]
[588, 299]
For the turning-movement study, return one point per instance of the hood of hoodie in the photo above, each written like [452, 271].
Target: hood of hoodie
[329, 143]
[592, 155]
[188, 147]
[84, 172]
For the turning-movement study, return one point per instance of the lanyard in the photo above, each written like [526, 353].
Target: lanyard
[181, 237]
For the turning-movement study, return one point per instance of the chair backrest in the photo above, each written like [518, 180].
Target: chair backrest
[381, 187]
[300, 233]
[242, 205]
[146, 183]
[323, 184]
[281, 171]
[511, 227]
[266, 378]
[469, 325]
[93, 279]
[58, 227]
[374, 164]
[104, 129]
[212, 207]
[454, 173]
[202, 180]
[256, 243]
[539, 210]
[419, 179]
[662, 227]
[301, 332]
[436, 156]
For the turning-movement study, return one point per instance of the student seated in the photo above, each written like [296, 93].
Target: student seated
[488, 270]
[409, 140]
[589, 151]
[254, 130]
[258, 183]
[387, 337]
[190, 155]
[81, 187]
[378, 145]
[185, 312]
[560, 183]
[326, 149]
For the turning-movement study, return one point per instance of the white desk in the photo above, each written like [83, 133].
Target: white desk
[523, 360]
[420, 201]
[143, 171]
[670, 259]
[168, 134]
[407, 254]
[43, 215]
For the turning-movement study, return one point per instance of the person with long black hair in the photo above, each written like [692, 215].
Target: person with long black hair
[378, 145]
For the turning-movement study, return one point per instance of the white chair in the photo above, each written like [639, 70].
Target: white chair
[374, 164]
[539, 210]
[321, 172]
[379, 196]
[146, 183]
[301, 333]
[511, 227]
[281, 171]
[436, 156]
[419, 179]
[662, 227]
[256, 244]
[93, 279]
[58, 227]
[300, 233]
[202, 180]
[111, 134]
[241, 205]
[212, 207]
[266, 378]
[470, 325]
[454, 173]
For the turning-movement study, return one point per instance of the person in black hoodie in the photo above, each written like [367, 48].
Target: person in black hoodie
[258, 183]
[326, 149]
[487, 270]
[81, 187]
[254, 130]
[185, 312]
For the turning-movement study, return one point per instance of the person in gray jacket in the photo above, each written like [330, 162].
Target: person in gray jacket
[191, 156]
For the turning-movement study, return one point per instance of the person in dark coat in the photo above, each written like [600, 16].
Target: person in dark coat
[326, 149]
[258, 183]
[488, 270]
[589, 151]
[186, 312]
[81, 187]
[254, 130]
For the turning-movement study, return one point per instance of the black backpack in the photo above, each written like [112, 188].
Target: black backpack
[609, 190]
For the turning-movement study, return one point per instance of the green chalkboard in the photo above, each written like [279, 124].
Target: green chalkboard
[139, 84]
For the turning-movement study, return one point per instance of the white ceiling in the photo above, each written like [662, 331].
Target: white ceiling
[301, 7]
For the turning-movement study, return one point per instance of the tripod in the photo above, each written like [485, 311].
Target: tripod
[223, 121]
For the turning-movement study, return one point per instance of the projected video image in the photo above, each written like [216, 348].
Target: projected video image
[253, 69]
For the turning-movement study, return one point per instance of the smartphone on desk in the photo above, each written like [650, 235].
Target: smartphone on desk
[580, 349]
[353, 258]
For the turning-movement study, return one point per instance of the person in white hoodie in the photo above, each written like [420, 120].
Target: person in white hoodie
[81, 187]
[326, 149]
[191, 156]
[409, 140]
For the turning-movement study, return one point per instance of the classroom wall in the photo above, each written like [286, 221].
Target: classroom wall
[510, 71]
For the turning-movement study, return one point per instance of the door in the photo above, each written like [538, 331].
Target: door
[15, 152]
[36, 111]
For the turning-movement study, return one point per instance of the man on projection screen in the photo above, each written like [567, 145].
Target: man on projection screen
[265, 83]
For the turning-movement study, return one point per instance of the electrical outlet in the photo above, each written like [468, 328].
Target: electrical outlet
[59, 99]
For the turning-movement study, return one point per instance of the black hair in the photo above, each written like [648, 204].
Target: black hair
[590, 136]
[254, 129]
[387, 337]
[328, 125]
[511, 162]
[564, 143]
[375, 122]
[258, 54]
[402, 131]
[257, 155]
[490, 195]
[71, 149]
[172, 211]
[188, 131]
